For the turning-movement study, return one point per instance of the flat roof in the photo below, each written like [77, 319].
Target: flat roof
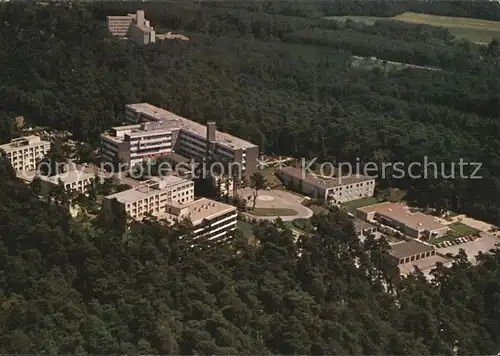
[68, 177]
[71, 176]
[409, 248]
[139, 130]
[361, 224]
[148, 188]
[402, 214]
[23, 141]
[120, 17]
[201, 209]
[324, 182]
[171, 36]
[193, 127]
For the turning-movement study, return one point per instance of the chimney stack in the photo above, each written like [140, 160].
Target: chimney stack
[140, 17]
[211, 131]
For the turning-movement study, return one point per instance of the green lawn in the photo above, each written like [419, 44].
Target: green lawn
[318, 209]
[273, 212]
[270, 176]
[457, 230]
[355, 204]
[475, 30]
[450, 216]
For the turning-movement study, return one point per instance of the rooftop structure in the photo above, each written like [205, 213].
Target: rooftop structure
[24, 152]
[212, 220]
[171, 120]
[198, 210]
[401, 218]
[22, 142]
[409, 251]
[149, 188]
[323, 181]
[73, 179]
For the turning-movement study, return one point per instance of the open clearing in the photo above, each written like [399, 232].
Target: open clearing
[475, 30]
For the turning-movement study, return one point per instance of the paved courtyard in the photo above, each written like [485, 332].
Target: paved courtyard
[277, 199]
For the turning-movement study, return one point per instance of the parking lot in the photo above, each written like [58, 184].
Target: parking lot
[472, 248]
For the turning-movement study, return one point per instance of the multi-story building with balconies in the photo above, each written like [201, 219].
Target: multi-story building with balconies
[24, 152]
[73, 178]
[151, 196]
[133, 26]
[167, 132]
[133, 143]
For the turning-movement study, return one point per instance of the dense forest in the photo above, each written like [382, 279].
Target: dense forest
[280, 75]
[74, 286]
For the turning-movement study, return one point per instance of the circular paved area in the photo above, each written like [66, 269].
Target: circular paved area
[277, 199]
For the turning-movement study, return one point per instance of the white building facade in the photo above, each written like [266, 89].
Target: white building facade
[152, 196]
[180, 135]
[24, 152]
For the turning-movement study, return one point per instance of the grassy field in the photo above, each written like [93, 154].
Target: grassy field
[458, 229]
[270, 176]
[272, 212]
[355, 204]
[475, 30]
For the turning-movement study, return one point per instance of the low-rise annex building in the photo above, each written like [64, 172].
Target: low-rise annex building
[363, 229]
[335, 189]
[398, 216]
[410, 251]
[24, 152]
